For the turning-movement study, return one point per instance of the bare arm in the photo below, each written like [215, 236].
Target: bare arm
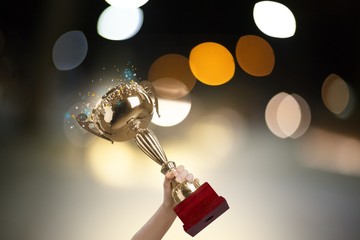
[160, 222]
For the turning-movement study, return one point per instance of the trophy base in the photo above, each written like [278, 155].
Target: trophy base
[200, 209]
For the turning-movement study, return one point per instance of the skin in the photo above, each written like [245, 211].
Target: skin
[160, 222]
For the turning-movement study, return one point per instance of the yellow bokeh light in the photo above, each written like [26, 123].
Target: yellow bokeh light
[111, 164]
[212, 63]
[215, 136]
[255, 55]
[203, 133]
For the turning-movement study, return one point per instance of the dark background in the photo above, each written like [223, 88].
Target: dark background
[325, 42]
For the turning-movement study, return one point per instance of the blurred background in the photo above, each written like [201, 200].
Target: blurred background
[258, 98]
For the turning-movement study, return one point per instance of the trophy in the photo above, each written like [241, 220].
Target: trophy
[123, 114]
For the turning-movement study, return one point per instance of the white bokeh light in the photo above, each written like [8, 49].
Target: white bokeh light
[271, 114]
[127, 3]
[287, 115]
[172, 111]
[119, 23]
[305, 116]
[274, 19]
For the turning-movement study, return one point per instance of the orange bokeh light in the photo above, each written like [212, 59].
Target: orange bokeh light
[212, 63]
[171, 76]
[255, 55]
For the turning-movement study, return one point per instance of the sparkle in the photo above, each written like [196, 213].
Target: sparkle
[67, 115]
[115, 76]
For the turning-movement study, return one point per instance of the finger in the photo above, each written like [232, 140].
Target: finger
[197, 181]
[170, 174]
[182, 176]
[180, 169]
[189, 177]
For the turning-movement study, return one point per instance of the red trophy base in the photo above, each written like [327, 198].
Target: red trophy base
[200, 208]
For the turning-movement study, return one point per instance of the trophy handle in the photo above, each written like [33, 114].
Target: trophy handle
[150, 90]
[84, 122]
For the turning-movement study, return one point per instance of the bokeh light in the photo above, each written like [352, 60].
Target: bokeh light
[271, 114]
[119, 23]
[274, 19]
[127, 3]
[171, 76]
[329, 151]
[209, 141]
[172, 111]
[255, 55]
[305, 116]
[111, 164]
[215, 134]
[212, 63]
[70, 50]
[287, 115]
[336, 95]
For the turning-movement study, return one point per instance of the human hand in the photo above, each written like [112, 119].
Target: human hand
[180, 174]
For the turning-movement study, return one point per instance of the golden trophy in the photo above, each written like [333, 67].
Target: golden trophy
[123, 114]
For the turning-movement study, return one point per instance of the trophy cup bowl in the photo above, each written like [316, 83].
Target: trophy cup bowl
[124, 114]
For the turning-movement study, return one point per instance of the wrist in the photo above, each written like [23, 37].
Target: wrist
[168, 205]
[168, 210]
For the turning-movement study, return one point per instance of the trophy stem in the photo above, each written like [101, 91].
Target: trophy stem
[147, 141]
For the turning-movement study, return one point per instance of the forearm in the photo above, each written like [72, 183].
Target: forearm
[156, 227]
